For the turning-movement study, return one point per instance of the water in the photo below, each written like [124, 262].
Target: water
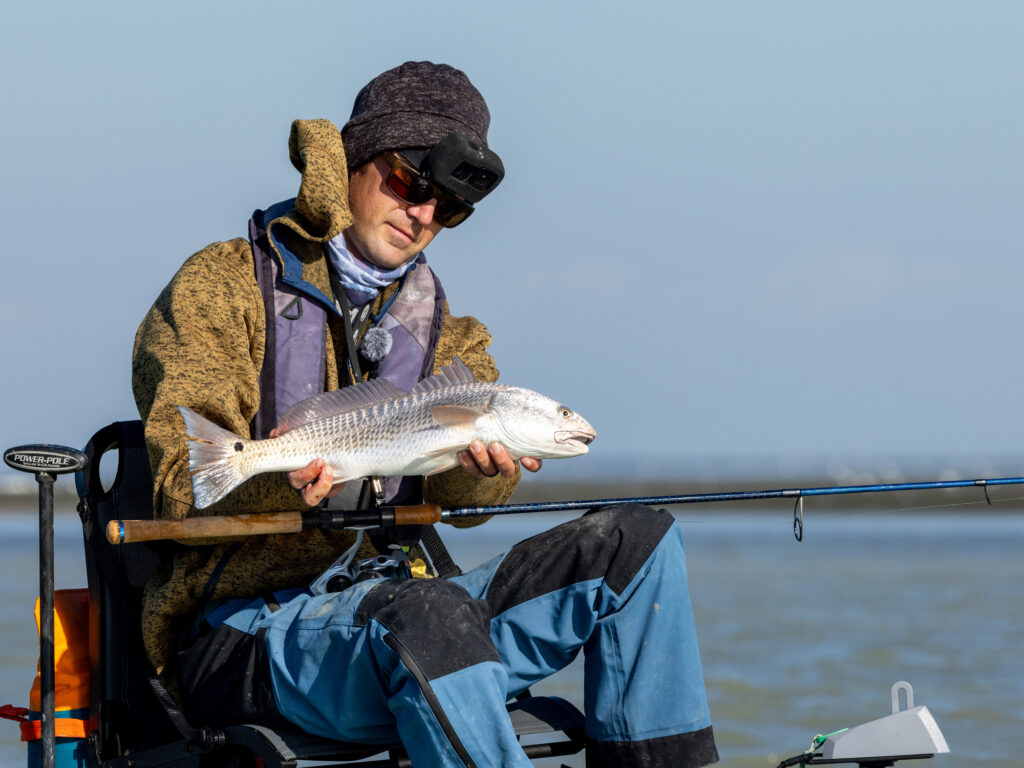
[797, 639]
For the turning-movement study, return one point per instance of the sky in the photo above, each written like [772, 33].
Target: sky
[731, 234]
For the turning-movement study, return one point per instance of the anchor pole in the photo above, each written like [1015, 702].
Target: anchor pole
[46, 462]
[47, 708]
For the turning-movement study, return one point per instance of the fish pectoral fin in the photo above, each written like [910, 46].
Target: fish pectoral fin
[442, 460]
[456, 416]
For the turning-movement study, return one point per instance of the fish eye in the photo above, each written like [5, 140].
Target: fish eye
[564, 412]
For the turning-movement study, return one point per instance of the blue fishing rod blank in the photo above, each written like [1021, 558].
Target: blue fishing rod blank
[702, 498]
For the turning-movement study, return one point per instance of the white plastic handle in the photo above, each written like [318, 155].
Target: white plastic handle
[902, 685]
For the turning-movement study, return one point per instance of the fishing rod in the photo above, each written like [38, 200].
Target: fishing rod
[128, 531]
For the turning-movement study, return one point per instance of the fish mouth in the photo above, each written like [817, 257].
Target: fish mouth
[564, 437]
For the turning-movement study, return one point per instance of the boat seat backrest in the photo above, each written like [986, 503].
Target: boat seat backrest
[124, 705]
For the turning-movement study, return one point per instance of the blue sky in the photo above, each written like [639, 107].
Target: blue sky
[730, 232]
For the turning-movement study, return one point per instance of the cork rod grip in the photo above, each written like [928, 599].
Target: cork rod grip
[128, 531]
[418, 514]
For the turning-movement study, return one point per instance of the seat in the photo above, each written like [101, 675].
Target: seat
[135, 722]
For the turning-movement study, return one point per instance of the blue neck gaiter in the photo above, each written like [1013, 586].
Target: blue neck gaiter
[362, 281]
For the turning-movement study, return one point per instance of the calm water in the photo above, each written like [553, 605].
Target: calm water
[797, 639]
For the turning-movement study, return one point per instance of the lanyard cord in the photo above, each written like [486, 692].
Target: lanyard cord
[363, 317]
[344, 307]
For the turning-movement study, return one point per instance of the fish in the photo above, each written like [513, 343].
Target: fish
[375, 429]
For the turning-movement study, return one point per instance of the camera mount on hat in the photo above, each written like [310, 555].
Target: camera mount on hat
[460, 165]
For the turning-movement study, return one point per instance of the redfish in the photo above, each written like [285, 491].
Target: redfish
[376, 429]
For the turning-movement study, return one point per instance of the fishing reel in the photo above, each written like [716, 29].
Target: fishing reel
[341, 576]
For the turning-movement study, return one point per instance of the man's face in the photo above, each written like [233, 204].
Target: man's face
[386, 232]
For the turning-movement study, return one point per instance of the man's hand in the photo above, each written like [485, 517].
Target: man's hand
[314, 482]
[493, 460]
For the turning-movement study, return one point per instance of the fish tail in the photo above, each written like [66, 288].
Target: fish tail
[214, 459]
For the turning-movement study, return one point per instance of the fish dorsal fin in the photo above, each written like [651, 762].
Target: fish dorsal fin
[338, 401]
[451, 375]
[456, 416]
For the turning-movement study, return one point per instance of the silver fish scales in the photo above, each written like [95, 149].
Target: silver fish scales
[375, 429]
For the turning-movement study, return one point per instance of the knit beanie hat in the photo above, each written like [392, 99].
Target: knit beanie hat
[413, 105]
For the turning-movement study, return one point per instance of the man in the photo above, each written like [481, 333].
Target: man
[329, 289]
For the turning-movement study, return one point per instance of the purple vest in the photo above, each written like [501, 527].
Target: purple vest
[294, 363]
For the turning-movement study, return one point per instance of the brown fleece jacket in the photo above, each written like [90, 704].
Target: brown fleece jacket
[202, 345]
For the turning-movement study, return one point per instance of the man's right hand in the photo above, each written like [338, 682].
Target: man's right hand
[314, 482]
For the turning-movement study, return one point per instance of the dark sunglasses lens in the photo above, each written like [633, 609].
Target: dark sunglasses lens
[412, 188]
[451, 212]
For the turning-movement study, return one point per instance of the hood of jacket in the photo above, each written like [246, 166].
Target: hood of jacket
[298, 228]
[321, 206]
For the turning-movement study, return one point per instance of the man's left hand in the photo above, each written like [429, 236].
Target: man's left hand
[491, 460]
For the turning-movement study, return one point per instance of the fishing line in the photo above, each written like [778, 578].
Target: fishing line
[834, 511]
[799, 494]
[725, 496]
[922, 507]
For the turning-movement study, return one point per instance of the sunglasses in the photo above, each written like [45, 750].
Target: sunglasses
[410, 186]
